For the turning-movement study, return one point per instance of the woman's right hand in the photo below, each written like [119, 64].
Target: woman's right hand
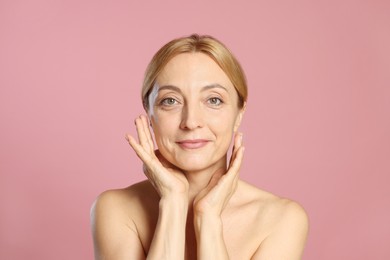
[165, 177]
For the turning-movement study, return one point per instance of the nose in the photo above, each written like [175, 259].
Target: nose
[192, 117]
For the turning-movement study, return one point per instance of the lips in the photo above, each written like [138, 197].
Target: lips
[193, 144]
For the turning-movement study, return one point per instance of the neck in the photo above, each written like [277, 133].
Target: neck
[199, 179]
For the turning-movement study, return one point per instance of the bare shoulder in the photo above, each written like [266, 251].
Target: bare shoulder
[270, 206]
[282, 223]
[125, 202]
[116, 221]
[133, 192]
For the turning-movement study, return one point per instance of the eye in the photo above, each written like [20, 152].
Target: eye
[215, 101]
[168, 102]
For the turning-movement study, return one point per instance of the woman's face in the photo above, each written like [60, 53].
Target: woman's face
[194, 112]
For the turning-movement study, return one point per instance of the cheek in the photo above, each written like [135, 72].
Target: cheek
[164, 134]
[164, 128]
[222, 122]
[223, 128]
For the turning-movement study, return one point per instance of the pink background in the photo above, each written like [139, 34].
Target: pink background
[317, 127]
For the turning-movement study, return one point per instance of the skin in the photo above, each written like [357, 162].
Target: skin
[193, 205]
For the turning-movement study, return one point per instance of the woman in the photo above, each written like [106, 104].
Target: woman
[193, 205]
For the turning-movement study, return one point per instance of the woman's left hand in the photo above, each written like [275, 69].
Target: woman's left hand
[213, 199]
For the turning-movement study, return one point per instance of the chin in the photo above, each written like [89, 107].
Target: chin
[197, 163]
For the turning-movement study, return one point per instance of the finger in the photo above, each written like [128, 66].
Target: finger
[148, 134]
[164, 161]
[215, 187]
[237, 144]
[218, 182]
[139, 150]
[151, 163]
[147, 171]
[218, 175]
[235, 166]
[142, 133]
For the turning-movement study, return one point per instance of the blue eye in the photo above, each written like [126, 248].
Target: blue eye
[215, 101]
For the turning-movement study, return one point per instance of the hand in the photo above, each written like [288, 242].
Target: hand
[165, 177]
[214, 198]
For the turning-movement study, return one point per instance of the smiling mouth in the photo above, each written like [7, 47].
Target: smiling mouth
[193, 144]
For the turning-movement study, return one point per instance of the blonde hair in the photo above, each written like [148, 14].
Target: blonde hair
[208, 45]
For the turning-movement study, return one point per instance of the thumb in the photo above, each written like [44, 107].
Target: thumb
[215, 178]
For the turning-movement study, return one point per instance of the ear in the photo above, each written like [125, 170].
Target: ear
[240, 114]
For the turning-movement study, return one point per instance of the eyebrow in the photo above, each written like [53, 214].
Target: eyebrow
[207, 87]
[214, 86]
[170, 87]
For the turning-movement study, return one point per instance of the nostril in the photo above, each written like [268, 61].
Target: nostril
[191, 121]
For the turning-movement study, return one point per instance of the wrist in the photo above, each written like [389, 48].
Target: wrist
[209, 237]
[175, 202]
[207, 222]
[207, 216]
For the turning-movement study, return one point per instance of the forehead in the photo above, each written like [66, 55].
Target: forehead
[193, 70]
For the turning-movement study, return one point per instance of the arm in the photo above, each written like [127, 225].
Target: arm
[172, 186]
[114, 236]
[209, 204]
[209, 237]
[169, 237]
[288, 239]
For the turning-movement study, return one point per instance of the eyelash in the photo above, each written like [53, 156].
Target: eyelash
[213, 101]
[219, 101]
[164, 102]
